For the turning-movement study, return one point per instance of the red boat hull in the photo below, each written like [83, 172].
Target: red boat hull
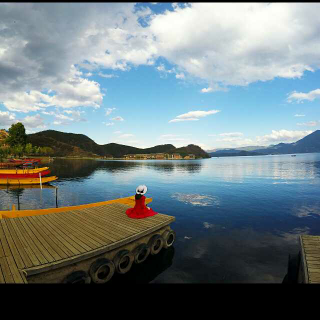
[24, 175]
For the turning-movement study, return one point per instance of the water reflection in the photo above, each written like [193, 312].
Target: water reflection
[196, 199]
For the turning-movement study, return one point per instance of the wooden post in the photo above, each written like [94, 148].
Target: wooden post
[40, 180]
[56, 197]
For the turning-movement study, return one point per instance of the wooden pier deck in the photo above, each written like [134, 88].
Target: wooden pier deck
[33, 245]
[309, 270]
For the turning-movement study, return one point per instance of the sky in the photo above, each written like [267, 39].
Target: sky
[218, 75]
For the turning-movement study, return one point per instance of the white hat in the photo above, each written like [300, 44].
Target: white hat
[142, 189]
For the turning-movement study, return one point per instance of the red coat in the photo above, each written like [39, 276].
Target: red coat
[140, 210]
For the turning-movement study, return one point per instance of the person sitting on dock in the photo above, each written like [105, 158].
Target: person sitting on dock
[140, 210]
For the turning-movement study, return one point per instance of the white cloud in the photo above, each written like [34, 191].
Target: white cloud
[205, 90]
[117, 119]
[180, 76]
[179, 120]
[109, 110]
[7, 118]
[238, 43]
[300, 96]
[108, 124]
[282, 136]
[33, 122]
[117, 132]
[299, 115]
[193, 115]
[309, 124]
[32, 62]
[103, 75]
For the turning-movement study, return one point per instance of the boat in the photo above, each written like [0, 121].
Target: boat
[23, 171]
[27, 181]
[23, 175]
[9, 164]
[293, 155]
[25, 160]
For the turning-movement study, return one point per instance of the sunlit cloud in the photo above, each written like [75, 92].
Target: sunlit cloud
[193, 115]
[300, 96]
[117, 119]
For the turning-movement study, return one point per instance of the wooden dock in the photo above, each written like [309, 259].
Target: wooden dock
[47, 246]
[309, 266]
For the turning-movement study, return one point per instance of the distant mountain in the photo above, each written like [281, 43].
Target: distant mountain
[308, 144]
[235, 153]
[71, 144]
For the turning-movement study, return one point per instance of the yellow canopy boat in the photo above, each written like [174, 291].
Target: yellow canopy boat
[27, 181]
[22, 171]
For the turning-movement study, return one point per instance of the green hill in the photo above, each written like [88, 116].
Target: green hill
[71, 144]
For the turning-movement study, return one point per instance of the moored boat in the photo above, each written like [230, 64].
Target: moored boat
[9, 164]
[23, 171]
[27, 181]
[23, 175]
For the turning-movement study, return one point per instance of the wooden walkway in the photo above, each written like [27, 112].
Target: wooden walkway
[310, 259]
[36, 244]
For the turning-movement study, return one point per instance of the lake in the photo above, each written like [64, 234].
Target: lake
[237, 218]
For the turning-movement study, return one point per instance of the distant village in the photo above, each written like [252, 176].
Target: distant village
[158, 156]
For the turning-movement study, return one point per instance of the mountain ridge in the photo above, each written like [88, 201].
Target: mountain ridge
[69, 144]
[308, 144]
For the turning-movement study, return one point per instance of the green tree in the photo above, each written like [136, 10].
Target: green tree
[28, 149]
[17, 135]
[17, 150]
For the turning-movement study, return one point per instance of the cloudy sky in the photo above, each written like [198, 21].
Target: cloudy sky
[143, 74]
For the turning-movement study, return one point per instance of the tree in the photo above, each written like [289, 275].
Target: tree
[28, 149]
[17, 135]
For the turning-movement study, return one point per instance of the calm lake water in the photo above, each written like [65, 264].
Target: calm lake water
[237, 218]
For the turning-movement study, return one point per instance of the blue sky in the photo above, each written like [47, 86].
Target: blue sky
[217, 75]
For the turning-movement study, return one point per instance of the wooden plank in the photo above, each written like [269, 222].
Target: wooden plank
[78, 237]
[1, 275]
[36, 241]
[87, 236]
[304, 262]
[57, 233]
[50, 237]
[12, 245]
[35, 261]
[111, 228]
[83, 225]
[4, 243]
[23, 254]
[17, 276]
[67, 235]
[46, 242]
[95, 252]
[8, 278]
[1, 248]
[33, 246]
[120, 223]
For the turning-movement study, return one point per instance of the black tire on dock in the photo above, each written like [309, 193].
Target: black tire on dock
[77, 277]
[155, 244]
[141, 253]
[169, 236]
[102, 270]
[123, 261]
